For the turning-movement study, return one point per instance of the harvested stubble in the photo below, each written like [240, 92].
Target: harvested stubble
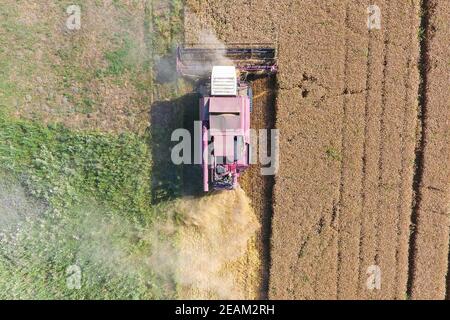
[347, 107]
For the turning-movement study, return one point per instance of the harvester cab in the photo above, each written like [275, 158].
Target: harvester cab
[225, 105]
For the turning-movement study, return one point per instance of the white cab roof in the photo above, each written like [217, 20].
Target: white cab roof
[224, 81]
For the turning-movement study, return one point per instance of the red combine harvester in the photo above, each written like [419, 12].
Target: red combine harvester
[225, 105]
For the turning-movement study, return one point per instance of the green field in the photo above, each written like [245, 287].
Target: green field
[76, 145]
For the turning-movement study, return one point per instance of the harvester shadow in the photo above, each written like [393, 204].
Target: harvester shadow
[170, 181]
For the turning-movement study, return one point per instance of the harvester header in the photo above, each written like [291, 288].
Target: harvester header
[198, 60]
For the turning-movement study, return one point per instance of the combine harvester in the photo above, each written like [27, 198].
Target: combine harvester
[226, 102]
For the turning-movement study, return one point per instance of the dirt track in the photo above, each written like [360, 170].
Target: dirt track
[262, 117]
[347, 109]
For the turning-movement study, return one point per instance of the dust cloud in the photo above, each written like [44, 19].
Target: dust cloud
[15, 206]
[214, 234]
[199, 248]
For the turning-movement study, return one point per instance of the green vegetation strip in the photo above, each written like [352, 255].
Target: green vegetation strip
[91, 209]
